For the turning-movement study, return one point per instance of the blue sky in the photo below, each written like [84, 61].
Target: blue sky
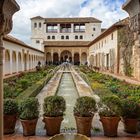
[108, 11]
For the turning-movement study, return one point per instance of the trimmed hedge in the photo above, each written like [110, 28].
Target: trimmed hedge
[34, 90]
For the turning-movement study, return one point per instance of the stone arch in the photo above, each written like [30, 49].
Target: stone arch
[84, 58]
[14, 62]
[7, 62]
[48, 58]
[66, 55]
[76, 59]
[19, 62]
[55, 58]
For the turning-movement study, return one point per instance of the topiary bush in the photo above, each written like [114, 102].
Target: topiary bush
[130, 108]
[29, 109]
[111, 106]
[24, 83]
[54, 106]
[10, 107]
[85, 107]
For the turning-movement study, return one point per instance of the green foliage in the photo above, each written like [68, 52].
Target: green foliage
[10, 107]
[29, 109]
[85, 107]
[130, 108]
[54, 106]
[24, 83]
[111, 106]
[16, 85]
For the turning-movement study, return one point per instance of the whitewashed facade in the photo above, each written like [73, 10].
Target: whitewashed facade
[19, 57]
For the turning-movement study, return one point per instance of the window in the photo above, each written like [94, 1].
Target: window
[39, 24]
[94, 29]
[76, 37]
[112, 36]
[81, 37]
[92, 34]
[53, 37]
[79, 28]
[62, 37]
[51, 28]
[65, 28]
[37, 41]
[48, 37]
[35, 25]
[67, 37]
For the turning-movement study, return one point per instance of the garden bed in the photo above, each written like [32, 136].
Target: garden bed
[27, 84]
[104, 85]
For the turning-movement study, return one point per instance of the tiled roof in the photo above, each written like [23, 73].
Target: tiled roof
[69, 20]
[37, 17]
[19, 42]
[73, 20]
[66, 43]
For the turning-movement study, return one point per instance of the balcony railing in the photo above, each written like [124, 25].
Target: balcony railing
[65, 30]
[79, 30]
[51, 31]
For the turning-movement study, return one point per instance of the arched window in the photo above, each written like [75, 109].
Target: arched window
[35, 25]
[62, 37]
[53, 37]
[48, 37]
[81, 37]
[76, 37]
[67, 37]
[39, 24]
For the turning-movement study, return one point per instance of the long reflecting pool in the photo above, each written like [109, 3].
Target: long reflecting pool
[68, 90]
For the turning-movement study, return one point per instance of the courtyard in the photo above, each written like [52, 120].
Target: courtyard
[72, 82]
[76, 76]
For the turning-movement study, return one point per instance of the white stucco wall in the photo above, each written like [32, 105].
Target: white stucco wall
[103, 47]
[14, 58]
[41, 35]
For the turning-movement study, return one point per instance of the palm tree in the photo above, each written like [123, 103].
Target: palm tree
[7, 9]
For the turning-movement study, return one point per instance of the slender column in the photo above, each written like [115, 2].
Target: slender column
[1, 87]
[72, 27]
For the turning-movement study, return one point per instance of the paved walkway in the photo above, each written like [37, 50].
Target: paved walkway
[130, 80]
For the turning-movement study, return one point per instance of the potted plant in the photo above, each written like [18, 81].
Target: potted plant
[54, 107]
[29, 112]
[130, 114]
[10, 115]
[84, 110]
[110, 113]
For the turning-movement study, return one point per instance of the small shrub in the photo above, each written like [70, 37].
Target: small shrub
[54, 106]
[24, 83]
[10, 107]
[111, 106]
[29, 109]
[85, 107]
[130, 108]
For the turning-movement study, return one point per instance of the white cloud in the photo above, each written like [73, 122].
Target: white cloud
[101, 9]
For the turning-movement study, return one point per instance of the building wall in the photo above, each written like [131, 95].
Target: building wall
[103, 53]
[39, 33]
[19, 59]
[82, 53]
